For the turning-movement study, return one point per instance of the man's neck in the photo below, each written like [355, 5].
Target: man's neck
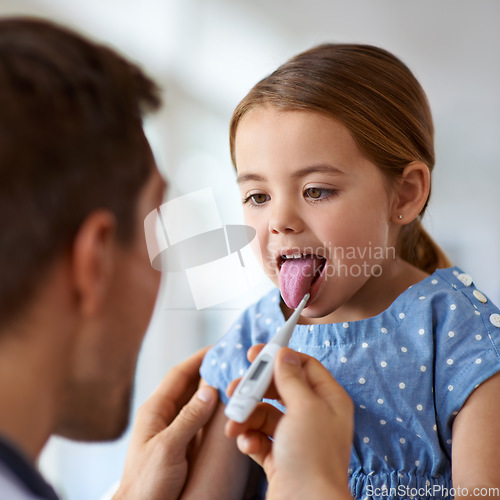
[26, 396]
[34, 358]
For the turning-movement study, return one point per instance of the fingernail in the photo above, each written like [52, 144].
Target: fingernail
[205, 393]
[291, 357]
[243, 443]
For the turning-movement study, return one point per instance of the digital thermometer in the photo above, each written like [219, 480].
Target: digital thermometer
[257, 378]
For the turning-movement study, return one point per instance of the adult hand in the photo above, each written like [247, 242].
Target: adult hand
[157, 460]
[310, 452]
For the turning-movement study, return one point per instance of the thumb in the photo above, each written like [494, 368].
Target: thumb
[193, 416]
[289, 378]
[299, 377]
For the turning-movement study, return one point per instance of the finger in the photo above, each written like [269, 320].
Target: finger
[271, 392]
[193, 416]
[173, 392]
[324, 385]
[232, 386]
[299, 377]
[186, 373]
[264, 419]
[253, 351]
[305, 361]
[256, 445]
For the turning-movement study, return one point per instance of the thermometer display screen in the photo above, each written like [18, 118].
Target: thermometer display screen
[258, 369]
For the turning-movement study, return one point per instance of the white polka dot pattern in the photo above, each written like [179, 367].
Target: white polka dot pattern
[404, 368]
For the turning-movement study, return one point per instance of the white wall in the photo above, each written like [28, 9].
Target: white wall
[208, 53]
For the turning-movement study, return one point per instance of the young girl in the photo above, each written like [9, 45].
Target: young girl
[334, 153]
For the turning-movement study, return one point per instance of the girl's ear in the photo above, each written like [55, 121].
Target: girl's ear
[412, 192]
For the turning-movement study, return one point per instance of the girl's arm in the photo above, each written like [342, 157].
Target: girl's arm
[476, 443]
[219, 471]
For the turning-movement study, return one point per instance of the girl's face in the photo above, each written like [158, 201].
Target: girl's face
[307, 189]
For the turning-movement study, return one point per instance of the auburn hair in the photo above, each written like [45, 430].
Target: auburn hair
[378, 99]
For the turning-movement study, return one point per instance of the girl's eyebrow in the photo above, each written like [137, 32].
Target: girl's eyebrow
[322, 168]
[250, 177]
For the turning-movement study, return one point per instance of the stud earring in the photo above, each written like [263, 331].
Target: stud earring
[400, 216]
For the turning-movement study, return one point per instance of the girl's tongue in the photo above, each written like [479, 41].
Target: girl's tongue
[297, 276]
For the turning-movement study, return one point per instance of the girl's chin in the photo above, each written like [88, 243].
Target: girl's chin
[318, 312]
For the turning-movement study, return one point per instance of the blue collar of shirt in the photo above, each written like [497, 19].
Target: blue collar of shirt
[19, 465]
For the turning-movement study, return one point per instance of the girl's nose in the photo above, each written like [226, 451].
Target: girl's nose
[285, 219]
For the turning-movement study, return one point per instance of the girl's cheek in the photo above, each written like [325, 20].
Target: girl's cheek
[258, 248]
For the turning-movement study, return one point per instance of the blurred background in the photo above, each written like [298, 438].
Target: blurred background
[206, 54]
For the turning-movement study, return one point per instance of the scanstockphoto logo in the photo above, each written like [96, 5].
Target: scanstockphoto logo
[186, 236]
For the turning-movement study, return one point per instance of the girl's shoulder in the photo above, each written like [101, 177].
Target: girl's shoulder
[442, 302]
[446, 294]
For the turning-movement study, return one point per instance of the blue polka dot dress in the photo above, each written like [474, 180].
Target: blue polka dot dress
[408, 370]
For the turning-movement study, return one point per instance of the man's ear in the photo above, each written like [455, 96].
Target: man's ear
[412, 192]
[92, 260]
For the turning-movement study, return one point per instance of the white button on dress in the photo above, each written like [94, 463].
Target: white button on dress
[465, 279]
[495, 320]
[479, 296]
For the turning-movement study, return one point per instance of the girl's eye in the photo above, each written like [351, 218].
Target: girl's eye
[316, 193]
[256, 199]
[259, 198]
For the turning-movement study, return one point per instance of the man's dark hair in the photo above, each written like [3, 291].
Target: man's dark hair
[71, 142]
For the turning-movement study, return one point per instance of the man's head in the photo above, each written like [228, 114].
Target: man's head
[71, 141]
[77, 177]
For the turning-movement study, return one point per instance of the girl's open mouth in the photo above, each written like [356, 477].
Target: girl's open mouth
[300, 274]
